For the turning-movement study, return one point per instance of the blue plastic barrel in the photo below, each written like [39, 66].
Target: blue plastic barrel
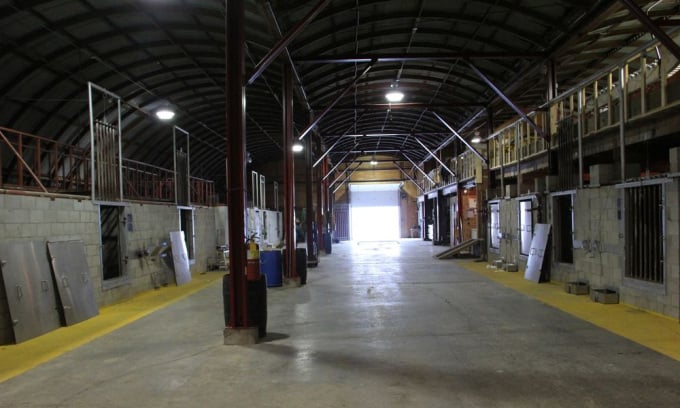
[271, 267]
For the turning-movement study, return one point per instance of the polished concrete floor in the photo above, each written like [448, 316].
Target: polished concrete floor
[378, 325]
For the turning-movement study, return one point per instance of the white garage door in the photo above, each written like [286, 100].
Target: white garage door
[374, 212]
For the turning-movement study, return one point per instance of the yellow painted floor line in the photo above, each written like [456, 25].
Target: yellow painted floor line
[19, 358]
[657, 332]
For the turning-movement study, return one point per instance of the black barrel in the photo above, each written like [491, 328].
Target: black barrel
[301, 264]
[327, 242]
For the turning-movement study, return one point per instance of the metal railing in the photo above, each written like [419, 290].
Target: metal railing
[35, 163]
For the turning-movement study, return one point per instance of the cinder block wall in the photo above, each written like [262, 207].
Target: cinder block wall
[28, 218]
[598, 237]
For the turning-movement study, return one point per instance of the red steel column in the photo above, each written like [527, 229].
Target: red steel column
[236, 155]
[319, 209]
[309, 204]
[288, 174]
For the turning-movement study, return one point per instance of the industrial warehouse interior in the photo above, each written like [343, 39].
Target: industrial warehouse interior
[335, 203]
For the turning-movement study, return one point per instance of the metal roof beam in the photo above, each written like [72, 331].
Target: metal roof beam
[435, 157]
[469, 146]
[507, 100]
[653, 28]
[408, 176]
[351, 85]
[451, 56]
[281, 45]
[418, 167]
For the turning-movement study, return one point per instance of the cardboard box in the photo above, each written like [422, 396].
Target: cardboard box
[511, 267]
[606, 296]
[577, 288]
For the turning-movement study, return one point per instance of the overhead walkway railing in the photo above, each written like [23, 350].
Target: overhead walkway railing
[32, 163]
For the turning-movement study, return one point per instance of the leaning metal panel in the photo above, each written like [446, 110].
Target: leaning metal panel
[72, 275]
[180, 257]
[30, 289]
[539, 244]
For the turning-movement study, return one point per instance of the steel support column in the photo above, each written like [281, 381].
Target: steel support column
[468, 145]
[318, 185]
[288, 175]
[236, 159]
[653, 28]
[320, 116]
[281, 45]
[309, 203]
[507, 100]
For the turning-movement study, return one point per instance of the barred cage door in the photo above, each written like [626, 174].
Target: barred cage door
[105, 145]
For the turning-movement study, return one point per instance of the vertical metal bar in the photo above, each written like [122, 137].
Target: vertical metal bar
[236, 155]
[174, 161]
[20, 157]
[622, 121]
[120, 153]
[643, 85]
[579, 134]
[94, 185]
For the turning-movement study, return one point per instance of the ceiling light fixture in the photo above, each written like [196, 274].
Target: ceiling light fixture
[165, 113]
[297, 147]
[373, 161]
[394, 94]
[477, 138]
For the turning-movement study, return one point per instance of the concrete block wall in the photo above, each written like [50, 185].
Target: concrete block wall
[56, 219]
[598, 233]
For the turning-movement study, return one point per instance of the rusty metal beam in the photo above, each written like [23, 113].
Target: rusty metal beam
[351, 85]
[281, 45]
[507, 100]
[468, 145]
[653, 28]
[452, 56]
[309, 202]
[435, 157]
[236, 159]
[408, 177]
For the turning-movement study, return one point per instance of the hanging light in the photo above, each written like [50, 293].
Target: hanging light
[165, 113]
[476, 138]
[373, 161]
[297, 147]
[394, 94]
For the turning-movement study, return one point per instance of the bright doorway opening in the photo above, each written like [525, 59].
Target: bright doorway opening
[374, 212]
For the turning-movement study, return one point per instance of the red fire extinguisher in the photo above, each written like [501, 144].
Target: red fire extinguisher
[252, 260]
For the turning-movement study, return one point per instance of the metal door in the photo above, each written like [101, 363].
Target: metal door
[30, 291]
[180, 258]
[72, 274]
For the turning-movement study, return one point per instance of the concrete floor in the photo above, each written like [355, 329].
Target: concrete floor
[378, 325]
